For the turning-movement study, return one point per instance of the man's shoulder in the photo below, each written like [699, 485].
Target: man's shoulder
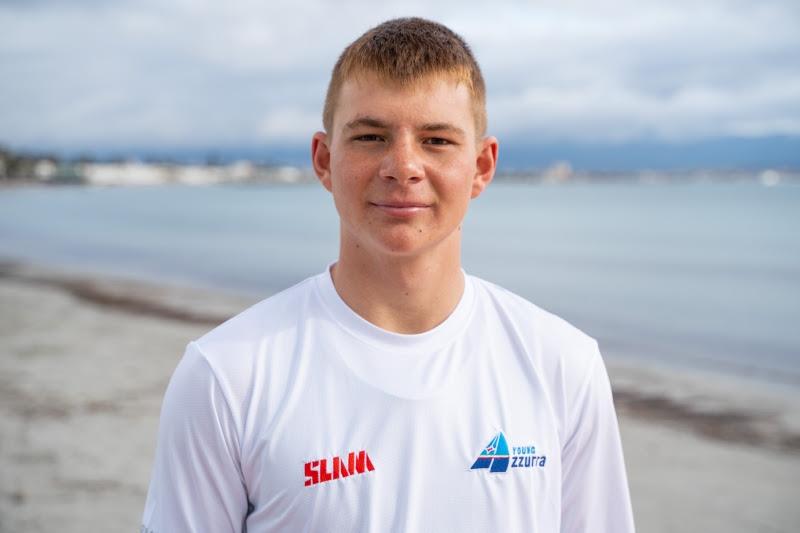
[554, 346]
[244, 332]
[521, 313]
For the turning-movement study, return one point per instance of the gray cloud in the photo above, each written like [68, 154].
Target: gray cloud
[189, 73]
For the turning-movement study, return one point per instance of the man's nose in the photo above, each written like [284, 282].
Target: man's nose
[403, 161]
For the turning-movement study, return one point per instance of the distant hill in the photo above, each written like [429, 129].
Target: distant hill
[516, 154]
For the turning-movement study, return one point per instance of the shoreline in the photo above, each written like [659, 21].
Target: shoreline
[715, 420]
[141, 298]
[85, 360]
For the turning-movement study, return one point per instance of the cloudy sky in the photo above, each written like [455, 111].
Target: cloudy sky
[89, 75]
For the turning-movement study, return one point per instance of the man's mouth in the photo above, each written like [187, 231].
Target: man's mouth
[400, 209]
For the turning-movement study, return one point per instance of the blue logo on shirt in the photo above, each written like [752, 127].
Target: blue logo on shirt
[496, 458]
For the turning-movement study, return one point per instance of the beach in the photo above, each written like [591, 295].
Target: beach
[84, 361]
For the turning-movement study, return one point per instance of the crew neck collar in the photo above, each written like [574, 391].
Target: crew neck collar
[367, 332]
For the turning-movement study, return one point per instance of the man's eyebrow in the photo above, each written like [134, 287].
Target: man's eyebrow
[369, 122]
[442, 126]
[372, 122]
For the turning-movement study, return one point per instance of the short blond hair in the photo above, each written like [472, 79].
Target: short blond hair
[408, 50]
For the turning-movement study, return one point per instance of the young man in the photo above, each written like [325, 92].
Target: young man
[393, 392]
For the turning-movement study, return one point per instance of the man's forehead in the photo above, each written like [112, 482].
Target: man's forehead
[369, 100]
[368, 81]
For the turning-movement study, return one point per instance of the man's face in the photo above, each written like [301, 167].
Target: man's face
[403, 163]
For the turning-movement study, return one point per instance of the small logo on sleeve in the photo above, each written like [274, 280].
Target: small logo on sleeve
[496, 457]
[324, 470]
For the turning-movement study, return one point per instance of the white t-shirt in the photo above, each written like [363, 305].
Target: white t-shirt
[299, 415]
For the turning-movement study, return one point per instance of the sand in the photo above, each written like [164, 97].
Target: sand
[84, 363]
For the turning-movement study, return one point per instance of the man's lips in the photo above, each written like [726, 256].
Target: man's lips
[400, 209]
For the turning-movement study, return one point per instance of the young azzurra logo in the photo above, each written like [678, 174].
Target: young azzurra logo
[495, 456]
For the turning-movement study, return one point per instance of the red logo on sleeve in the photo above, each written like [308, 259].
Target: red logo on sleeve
[337, 467]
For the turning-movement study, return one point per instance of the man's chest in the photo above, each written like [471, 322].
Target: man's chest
[483, 452]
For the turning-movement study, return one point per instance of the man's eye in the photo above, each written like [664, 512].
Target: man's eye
[368, 138]
[438, 141]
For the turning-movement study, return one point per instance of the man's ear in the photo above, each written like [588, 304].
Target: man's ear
[321, 158]
[485, 165]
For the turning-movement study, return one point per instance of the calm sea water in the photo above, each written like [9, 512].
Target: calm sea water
[699, 275]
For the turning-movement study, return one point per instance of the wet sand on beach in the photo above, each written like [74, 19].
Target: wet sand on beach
[84, 362]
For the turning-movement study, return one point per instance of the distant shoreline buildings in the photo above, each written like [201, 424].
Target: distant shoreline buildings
[42, 169]
[18, 168]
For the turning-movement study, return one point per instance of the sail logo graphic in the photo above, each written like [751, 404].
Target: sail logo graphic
[496, 457]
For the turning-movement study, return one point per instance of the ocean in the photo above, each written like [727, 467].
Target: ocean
[699, 275]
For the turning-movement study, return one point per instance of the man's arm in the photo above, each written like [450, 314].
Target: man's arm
[594, 496]
[196, 483]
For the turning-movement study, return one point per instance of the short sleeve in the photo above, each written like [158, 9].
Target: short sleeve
[595, 496]
[196, 483]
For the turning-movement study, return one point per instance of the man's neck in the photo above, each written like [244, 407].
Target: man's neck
[402, 295]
